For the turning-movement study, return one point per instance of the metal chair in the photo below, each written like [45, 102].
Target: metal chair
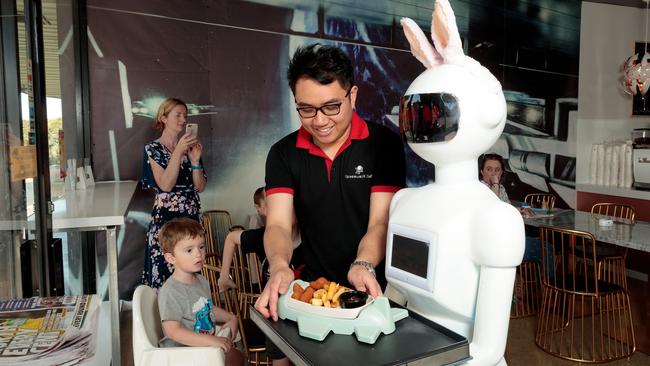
[611, 260]
[217, 224]
[252, 337]
[527, 292]
[616, 210]
[539, 200]
[582, 318]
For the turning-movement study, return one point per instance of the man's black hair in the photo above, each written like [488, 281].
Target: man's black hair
[322, 63]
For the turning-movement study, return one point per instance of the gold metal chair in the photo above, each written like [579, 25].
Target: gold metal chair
[211, 273]
[248, 277]
[527, 292]
[581, 317]
[217, 224]
[611, 260]
[616, 210]
[247, 272]
[540, 200]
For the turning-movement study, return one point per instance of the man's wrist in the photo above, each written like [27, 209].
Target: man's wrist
[366, 265]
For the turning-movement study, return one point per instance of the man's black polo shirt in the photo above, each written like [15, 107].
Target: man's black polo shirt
[332, 198]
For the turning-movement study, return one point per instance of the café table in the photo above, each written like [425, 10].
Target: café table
[623, 233]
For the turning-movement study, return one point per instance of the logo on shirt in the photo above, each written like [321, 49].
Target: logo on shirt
[358, 174]
[202, 310]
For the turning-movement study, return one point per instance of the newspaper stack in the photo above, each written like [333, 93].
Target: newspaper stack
[48, 330]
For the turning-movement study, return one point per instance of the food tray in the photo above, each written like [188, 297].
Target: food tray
[320, 310]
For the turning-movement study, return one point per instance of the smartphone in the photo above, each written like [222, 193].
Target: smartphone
[192, 128]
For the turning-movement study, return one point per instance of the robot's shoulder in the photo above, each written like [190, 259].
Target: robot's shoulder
[498, 235]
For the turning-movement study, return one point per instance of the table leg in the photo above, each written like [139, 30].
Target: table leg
[113, 294]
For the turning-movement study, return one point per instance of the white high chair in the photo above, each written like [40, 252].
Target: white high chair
[147, 330]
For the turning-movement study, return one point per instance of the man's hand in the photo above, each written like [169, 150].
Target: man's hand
[278, 284]
[361, 279]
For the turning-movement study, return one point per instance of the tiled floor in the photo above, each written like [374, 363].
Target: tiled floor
[521, 348]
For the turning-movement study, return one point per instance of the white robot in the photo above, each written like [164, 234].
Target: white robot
[452, 245]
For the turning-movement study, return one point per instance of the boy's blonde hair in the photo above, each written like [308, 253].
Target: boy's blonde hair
[179, 229]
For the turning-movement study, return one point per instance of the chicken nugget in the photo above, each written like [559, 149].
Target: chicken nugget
[297, 291]
[307, 295]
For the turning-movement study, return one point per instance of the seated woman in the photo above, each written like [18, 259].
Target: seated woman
[491, 168]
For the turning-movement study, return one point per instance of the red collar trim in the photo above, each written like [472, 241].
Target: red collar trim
[358, 131]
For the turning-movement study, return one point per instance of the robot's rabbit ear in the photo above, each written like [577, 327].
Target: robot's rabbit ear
[444, 32]
[421, 48]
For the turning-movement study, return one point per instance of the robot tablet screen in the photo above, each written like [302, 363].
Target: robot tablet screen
[411, 256]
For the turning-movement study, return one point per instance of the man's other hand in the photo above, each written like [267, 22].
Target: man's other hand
[278, 284]
[362, 280]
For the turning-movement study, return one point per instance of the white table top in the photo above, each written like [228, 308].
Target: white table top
[105, 204]
[625, 234]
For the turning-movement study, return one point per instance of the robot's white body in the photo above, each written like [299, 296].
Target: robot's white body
[476, 240]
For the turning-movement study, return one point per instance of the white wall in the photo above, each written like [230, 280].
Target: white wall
[607, 37]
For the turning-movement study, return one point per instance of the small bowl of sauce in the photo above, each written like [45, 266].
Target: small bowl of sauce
[353, 299]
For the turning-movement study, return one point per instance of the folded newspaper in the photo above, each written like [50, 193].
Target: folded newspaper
[48, 330]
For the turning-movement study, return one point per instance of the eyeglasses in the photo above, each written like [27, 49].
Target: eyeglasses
[329, 109]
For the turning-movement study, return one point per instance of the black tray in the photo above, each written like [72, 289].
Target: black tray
[414, 338]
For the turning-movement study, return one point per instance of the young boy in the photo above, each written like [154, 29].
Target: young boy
[186, 310]
[259, 219]
[252, 241]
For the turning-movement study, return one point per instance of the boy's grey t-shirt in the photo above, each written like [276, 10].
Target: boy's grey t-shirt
[189, 304]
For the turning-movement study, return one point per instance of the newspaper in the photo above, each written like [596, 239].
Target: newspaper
[48, 330]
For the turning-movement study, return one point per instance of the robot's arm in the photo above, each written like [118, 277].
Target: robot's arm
[498, 243]
[498, 236]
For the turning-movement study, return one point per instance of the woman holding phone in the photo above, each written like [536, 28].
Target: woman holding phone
[172, 166]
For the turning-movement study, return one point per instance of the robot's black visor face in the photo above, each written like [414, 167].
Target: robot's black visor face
[431, 117]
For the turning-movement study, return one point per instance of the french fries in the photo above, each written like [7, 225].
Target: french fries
[319, 293]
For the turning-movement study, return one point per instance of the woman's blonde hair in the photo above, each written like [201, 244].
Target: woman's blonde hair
[163, 111]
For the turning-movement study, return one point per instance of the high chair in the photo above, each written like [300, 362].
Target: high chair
[147, 331]
[582, 318]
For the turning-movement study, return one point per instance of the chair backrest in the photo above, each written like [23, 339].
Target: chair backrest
[247, 272]
[217, 225]
[147, 327]
[539, 200]
[569, 260]
[615, 210]
[211, 273]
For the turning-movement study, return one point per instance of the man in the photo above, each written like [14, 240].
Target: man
[337, 173]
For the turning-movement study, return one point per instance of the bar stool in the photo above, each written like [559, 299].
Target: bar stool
[582, 318]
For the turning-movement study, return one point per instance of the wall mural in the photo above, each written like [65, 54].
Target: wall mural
[227, 60]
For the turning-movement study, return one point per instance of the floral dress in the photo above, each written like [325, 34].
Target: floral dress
[182, 201]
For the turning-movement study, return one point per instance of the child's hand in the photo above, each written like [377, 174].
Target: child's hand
[225, 283]
[222, 342]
